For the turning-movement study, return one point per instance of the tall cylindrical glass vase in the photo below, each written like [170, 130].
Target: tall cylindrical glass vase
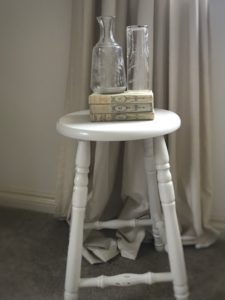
[138, 68]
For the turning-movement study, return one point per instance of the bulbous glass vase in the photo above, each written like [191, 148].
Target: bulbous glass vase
[107, 72]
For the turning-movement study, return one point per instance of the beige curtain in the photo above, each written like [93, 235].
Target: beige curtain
[180, 81]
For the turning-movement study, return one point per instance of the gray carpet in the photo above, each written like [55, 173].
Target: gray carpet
[33, 250]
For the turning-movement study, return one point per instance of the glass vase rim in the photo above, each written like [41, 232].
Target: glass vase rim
[138, 27]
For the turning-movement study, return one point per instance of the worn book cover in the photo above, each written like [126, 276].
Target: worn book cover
[104, 117]
[121, 108]
[122, 98]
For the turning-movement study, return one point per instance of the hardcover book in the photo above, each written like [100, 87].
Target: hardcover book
[122, 98]
[121, 108]
[104, 117]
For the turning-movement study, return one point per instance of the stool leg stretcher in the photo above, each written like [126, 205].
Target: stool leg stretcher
[123, 280]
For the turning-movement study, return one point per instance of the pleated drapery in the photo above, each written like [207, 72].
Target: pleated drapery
[180, 77]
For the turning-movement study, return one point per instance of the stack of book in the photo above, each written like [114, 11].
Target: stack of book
[125, 106]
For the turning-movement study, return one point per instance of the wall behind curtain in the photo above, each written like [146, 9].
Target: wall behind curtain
[34, 55]
[35, 42]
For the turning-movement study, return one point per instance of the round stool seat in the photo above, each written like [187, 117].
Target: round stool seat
[77, 125]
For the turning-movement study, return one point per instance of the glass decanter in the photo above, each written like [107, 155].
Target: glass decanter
[107, 72]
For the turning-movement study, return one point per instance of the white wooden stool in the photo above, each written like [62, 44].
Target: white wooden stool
[78, 126]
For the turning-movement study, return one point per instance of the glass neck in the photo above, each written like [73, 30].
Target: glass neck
[106, 29]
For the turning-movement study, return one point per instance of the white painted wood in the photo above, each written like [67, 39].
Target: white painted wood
[23, 199]
[123, 280]
[116, 224]
[167, 197]
[153, 194]
[79, 201]
[78, 126]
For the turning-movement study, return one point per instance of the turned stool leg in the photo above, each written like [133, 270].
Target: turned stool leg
[79, 201]
[167, 197]
[153, 194]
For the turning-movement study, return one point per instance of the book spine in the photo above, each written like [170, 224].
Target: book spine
[120, 99]
[104, 117]
[131, 107]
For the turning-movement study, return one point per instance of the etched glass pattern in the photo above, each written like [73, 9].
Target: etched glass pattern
[138, 69]
[108, 71]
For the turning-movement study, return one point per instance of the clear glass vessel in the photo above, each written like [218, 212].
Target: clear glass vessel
[108, 74]
[138, 68]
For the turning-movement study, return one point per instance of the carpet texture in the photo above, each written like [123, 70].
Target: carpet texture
[33, 249]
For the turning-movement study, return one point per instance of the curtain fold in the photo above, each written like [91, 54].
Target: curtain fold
[82, 39]
[180, 82]
[189, 96]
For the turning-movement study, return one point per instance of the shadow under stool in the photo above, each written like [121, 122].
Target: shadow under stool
[78, 126]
